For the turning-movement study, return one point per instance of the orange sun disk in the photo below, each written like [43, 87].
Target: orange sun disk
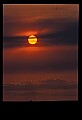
[32, 39]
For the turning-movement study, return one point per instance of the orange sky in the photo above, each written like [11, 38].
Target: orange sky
[55, 54]
[24, 64]
[47, 70]
[23, 20]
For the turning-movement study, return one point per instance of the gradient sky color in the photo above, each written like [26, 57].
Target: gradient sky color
[55, 54]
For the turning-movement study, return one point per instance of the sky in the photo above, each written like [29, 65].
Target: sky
[54, 56]
[21, 20]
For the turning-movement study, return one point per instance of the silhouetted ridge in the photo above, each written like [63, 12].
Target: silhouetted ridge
[48, 84]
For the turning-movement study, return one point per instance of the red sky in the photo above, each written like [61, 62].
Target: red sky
[56, 27]
[27, 19]
[55, 54]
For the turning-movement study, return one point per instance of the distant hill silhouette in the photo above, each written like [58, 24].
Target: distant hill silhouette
[47, 84]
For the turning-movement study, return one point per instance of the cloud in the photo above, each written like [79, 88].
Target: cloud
[37, 65]
[47, 84]
[56, 32]
[24, 18]
[47, 90]
[14, 42]
[60, 32]
[67, 33]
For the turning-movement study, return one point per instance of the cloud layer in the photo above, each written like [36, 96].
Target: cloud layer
[59, 33]
[43, 19]
[47, 84]
[48, 90]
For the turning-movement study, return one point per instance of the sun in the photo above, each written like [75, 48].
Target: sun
[32, 39]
